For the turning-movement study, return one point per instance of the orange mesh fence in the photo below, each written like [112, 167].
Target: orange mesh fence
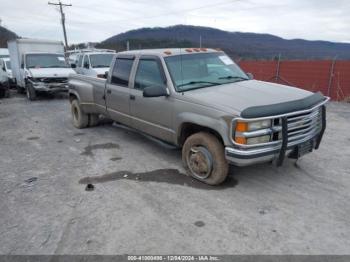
[332, 78]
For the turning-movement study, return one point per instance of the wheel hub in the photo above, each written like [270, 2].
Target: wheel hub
[200, 162]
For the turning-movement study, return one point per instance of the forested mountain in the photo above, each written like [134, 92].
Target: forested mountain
[236, 44]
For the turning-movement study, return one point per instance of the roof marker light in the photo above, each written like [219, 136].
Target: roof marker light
[167, 52]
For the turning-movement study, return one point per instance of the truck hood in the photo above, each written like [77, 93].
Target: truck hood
[235, 97]
[50, 72]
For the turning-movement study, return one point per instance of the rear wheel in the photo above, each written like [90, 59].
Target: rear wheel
[30, 91]
[204, 158]
[93, 120]
[80, 119]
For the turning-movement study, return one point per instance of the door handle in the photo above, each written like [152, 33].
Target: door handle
[109, 91]
[132, 97]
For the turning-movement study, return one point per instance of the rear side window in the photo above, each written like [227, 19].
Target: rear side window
[148, 74]
[121, 71]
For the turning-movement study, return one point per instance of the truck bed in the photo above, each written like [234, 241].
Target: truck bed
[90, 92]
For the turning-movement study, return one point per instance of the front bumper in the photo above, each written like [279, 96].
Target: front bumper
[240, 157]
[301, 133]
[51, 87]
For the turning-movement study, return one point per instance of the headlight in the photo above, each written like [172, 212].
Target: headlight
[259, 125]
[243, 129]
[258, 140]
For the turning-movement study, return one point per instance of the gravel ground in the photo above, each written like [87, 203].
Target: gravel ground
[143, 204]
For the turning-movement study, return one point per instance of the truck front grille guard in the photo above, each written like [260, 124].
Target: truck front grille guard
[291, 133]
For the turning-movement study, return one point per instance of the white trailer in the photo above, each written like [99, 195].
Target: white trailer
[39, 65]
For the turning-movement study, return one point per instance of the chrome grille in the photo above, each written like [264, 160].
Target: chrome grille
[304, 125]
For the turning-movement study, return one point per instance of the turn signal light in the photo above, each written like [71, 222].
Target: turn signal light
[241, 140]
[241, 126]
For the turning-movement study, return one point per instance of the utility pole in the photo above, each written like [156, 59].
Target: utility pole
[200, 41]
[63, 20]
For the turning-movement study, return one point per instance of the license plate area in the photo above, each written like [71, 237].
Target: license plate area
[305, 147]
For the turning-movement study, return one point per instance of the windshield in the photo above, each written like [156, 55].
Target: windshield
[193, 71]
[101, 60]
[8, 65]
[45, 61]
[4, 56]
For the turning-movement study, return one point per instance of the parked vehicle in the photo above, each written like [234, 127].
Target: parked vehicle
[39, 66]
[5, 76]
[94, 64]
[73, 55]
[200, 100]
[7, 66]
[4, 52]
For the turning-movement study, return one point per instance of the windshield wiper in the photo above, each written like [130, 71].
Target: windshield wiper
[199, 82]
[233, 77]
[99, 66]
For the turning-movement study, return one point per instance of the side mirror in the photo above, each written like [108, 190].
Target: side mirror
[22, 66]
[86, 65]
[250, 75]
[73, 65]
[106, 74]
[155, 91]
[4, 69]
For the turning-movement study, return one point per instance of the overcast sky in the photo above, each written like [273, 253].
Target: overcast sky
[92, 20]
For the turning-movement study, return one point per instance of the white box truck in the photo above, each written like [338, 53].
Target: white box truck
[4, 52]
[39, 66]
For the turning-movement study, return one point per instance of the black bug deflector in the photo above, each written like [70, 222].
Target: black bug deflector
[283, 108]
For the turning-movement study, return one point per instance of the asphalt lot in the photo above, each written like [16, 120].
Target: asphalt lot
[143, 204]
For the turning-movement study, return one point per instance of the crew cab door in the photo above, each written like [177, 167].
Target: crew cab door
[117, 90]
[152, 115]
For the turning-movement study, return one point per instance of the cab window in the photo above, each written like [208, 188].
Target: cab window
[121, 71]
[80, 59]
[86, 61]
[148, 74]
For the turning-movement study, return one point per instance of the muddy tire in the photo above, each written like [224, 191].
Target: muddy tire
[80, 119]
[93, 120]
[203, 156]
[30, 91]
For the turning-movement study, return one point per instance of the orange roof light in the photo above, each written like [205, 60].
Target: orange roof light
[196, 49]
[167, 52]
[203, 49]
[188, 50]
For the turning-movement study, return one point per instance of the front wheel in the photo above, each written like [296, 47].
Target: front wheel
[204, 158]
[30, 91]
